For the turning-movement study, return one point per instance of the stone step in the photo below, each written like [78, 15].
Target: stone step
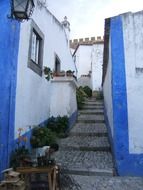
[94, 103]
[85, 143]
[106, 182]
[92, 112]
[92, 107]
[85, 163]
[93, 134]
[91, 100]
[93, 172]
[92, 129]
[91, 119]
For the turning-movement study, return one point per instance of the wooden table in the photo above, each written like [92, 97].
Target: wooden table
[50, 170]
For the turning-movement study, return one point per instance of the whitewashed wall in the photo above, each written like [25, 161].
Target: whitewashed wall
[65, 89]
[107, 91]
[83, 60]
[97, 62]
[33, 92]
[133, 45]
[90, 58]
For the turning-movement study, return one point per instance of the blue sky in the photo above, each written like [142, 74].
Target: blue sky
[87, 16]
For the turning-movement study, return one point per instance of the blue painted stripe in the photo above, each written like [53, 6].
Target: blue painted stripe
[126, 163]
[9, 44]
[72, 119]
[119, 96]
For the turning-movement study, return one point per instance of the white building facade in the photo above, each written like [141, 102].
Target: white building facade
[88, 58]
[33, 90]
[123, 89]
[26, 97]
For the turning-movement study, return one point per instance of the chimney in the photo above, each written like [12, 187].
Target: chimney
[66, 26]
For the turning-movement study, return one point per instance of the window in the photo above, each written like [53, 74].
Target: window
[57, 64]
[36, 49]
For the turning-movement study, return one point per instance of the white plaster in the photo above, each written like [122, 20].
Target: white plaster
[33, 92]
[107, 91]
[65, 89]
[97, 62]
[89, 58]
[83, 59]
[133, 45]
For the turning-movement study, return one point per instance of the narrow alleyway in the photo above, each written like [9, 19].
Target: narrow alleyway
[86, 154]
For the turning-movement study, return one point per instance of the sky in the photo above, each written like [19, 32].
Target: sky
[86, 17]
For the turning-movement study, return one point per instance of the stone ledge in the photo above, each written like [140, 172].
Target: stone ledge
[65, 79]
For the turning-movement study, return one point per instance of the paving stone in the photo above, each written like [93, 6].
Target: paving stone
[86, 153]
[93, 111]
[88, 143]
[89, 118]
[92, 129]
[108, 183]
[83, 163]
[92, 107]
[94, 103]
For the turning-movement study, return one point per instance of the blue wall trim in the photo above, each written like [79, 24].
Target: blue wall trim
[9, 44]
[127, 164]
[72, 119]
[119, 98]
[110, 139]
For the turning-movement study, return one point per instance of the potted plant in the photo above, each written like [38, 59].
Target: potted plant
[42, 136]
[69, 73]
[59, 73]
[48, 73]
[20, 154]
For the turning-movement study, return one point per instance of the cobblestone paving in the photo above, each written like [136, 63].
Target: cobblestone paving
[86, 154]
[94, 103]
[90, 128]
[93, 107]
[95, 118]
[85, 160]
[96, 112]
[87, 143]
[109, 183]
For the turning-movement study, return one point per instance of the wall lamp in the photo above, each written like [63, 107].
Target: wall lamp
[21, 9]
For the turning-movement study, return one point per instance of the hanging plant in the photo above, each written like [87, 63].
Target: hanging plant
[48, 73]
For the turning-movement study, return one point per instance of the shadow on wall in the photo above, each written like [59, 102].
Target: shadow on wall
[85, 80]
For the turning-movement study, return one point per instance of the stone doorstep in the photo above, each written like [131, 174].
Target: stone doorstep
[94, 172]
[84, 148]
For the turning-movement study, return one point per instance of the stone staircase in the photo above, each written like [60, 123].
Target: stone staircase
[86, 153]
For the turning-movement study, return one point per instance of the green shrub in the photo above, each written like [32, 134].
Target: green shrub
[58, 124]
[18, 155]
[99, 95]
[62, 124]
[80, 95]
[87, 90]
[42, 136]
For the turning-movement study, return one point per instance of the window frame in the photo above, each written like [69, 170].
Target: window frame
[36, 67]
[57, 67]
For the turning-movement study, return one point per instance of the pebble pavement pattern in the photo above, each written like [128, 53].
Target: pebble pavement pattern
[85, 155]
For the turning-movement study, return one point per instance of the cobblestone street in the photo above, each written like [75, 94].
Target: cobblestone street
[85, 155]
